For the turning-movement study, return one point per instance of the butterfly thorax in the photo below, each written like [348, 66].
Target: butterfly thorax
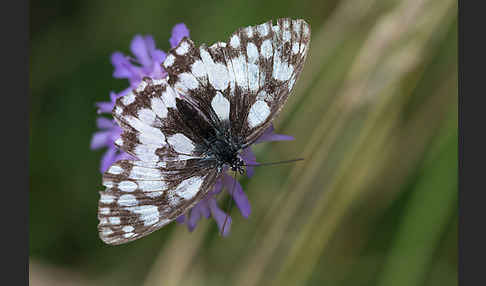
[226, 153]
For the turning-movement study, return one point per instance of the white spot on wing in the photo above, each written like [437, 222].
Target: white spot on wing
[276, 29]
[168, 97]
[114, 220]
[266, 49]
[183, 48]
[187, 189]
[295, 48]
[198, 69]
[240, 70]
[281, 70]
[217, 73]
[259, 112]
[154, 194]
[147, 116]
[150, 186]
[188, 80]
[158, 107]
[106, 199]
[146, 152]
[306, 29]
[128, 99]
[169, 60]
[296, 25]
[263, 29]
[235, 41]
[152, 134]
[286, 36]
[106, 232]
[127, 186]
[142, 173]
[253, 68]
[141, 87]
[148, 214]
[128, 235]
[128, 228]
[115, 170]
[286, 23]
[127, 200]
[221, 106]
[252, 52]
[181, 143]
[249, 31]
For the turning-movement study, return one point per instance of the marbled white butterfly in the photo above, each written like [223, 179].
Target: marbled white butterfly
[184, 129]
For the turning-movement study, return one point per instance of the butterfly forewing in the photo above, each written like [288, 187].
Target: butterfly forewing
[246, 80]
[154, 127]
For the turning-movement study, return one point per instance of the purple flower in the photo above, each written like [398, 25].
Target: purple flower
[147, 62]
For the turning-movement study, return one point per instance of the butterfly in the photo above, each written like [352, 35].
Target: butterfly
[189, 127]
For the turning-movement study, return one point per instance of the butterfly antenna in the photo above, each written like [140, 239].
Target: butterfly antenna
[230, 205]
[275, 163]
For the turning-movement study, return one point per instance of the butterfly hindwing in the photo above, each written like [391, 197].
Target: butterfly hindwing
[141, 197]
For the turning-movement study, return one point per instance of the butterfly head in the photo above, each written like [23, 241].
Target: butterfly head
[237, 165]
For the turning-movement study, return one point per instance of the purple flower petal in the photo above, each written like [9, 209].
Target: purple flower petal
[104, 123]
[220, 217]
[123, 67]
[216, 189]
[204, 209]
[157, 71]
[100, 139]
[238, 195]
[249, 158]
[268, 136]
[178, 32]
[158, 56]
[181, 219]
[105, 107]
[108, 159]
[194, 218]
[140, 48]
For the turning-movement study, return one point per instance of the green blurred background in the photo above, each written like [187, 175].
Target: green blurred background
[374, 115]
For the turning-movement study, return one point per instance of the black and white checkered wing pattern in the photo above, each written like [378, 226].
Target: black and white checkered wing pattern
[246, 80]
[159, 125]
[141, 197]
[164, 132]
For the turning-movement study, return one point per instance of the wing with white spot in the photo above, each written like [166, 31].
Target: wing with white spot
[159, 125]
[244, 81]
[141, 197]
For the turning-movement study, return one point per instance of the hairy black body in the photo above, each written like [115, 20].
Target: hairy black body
[218, 144]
